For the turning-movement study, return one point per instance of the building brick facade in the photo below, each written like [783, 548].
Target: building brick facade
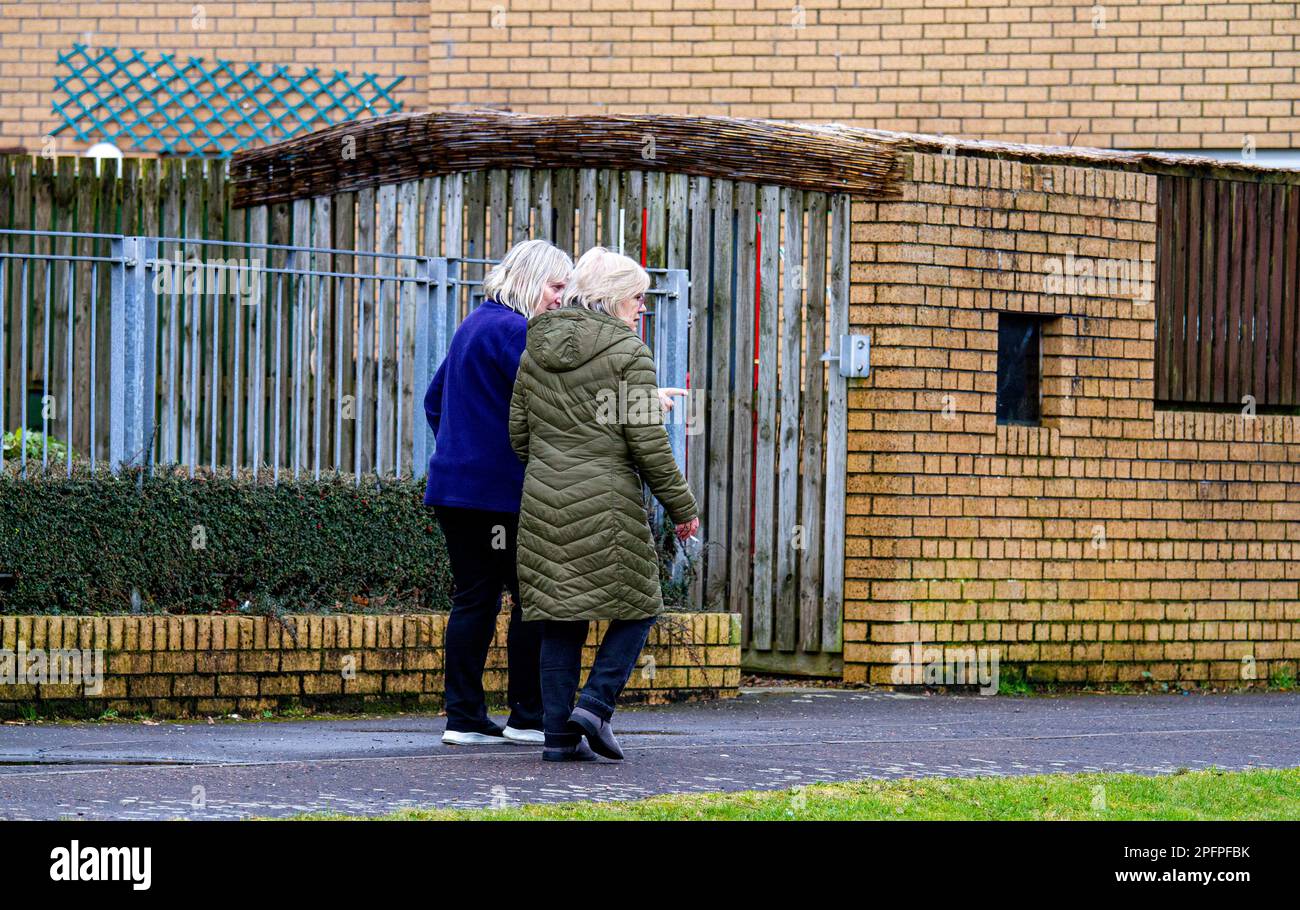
[1130, 74]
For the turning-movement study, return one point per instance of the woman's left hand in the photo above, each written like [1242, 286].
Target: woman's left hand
[666, 397]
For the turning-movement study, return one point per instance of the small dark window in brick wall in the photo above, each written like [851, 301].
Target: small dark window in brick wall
[1020, 366]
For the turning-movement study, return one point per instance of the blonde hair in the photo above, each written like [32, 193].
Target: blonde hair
[603, 279]
[518, 280]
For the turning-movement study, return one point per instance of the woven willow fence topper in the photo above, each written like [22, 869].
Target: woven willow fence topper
[406, 147]
[183, 106]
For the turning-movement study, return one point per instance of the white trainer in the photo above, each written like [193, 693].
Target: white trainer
[457, 738]
[525, 737]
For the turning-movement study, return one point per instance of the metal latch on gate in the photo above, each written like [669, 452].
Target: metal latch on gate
[854, 357]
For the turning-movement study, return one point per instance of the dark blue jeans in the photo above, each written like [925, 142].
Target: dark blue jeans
[562, 642]
[482, 547]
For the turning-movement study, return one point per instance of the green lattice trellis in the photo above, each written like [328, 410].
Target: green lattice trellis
[183, 107]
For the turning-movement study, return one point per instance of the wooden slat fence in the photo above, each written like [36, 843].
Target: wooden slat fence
[67, 351]
[1227, 293]
[314, 373]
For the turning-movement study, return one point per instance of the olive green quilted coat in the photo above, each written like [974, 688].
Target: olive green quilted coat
[585, 550]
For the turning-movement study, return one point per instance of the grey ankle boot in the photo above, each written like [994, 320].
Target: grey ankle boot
[600, 735]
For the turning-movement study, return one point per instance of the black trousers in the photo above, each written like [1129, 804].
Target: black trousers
[562, 642]
[482, 546]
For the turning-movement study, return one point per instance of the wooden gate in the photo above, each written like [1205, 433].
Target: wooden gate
[768, 295]
[769, 298]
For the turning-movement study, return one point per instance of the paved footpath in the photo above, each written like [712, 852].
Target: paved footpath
[766, 739]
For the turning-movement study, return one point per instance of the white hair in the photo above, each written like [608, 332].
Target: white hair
[603, 279]
[518, 280]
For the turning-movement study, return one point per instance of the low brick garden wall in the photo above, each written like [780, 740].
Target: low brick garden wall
[178, 666]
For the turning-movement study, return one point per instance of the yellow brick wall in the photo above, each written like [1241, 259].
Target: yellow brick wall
[1156, 73]
[389, 38]
[203, 665]
[1112, 542]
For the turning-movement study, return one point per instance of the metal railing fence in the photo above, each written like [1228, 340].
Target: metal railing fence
[243, 356]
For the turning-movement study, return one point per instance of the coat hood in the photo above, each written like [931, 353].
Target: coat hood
[565, 339]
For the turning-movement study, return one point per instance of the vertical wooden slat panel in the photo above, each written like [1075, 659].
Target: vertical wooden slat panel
[234, 348]
[150, 188]
[431, 212]
[1205, 305]
[410, 400]
[260, 380]
[602, 203]
[813, 411]
[299, 306]
[1224, 209]
[701, 218]
[1188, 305]
[1236, 282]
[610, 236]
[1290, 352]
[656, 220]
[170, 318]
[39, 273]
[767, 627]
[521, 205]
[212, 347]
[22, 221]
[1259, 308]
[190, 384]
[565, 179]
[543, 191]
[836, 435]
[1166, 229]
[65, 219]
[1248, 291]
[222, 318]
[787, 603]
[1276, 271]
[587, 211]
[344, 339]
[280, 319]
[432, 240]
[362, 368]
[454, 240]
[634, 206]
[498, 212]
[476, 214]
[718, 527]
[386, 323]
[7, 380]
[106, 221]
[742, 440]
[678, 220]
[1178, 294]
[321, 330]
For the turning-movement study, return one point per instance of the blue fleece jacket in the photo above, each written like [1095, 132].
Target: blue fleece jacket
[468, 407]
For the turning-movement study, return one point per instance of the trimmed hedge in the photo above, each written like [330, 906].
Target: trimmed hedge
[213, 543]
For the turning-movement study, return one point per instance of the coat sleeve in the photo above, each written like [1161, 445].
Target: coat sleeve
[512, 349]
[519, 419]
[433, 398]
[647, 440]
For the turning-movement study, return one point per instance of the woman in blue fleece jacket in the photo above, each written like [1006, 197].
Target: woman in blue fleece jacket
[475, 485]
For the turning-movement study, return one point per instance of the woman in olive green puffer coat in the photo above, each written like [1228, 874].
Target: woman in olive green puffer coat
[586, 419]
